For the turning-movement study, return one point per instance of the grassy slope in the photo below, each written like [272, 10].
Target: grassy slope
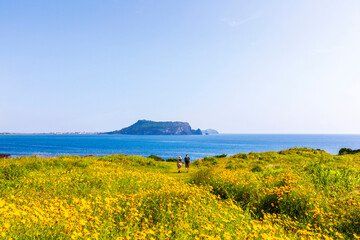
[288, 194]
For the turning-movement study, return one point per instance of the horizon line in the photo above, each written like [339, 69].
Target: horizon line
[220, 133]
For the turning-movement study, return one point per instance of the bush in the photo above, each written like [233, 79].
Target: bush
[293, 204]
[344, 151]
[210, 160]
[156, 158]
[257, 168]
[132, 160]
[332, 180]
[82, 163]
[239, 191]
[241, 194]
[206, 161]
[171, 160]
[240, 156]
[268, 204]
[220, 156]
[231, 165]
[12, 172]
[202, 177]
[350, 223]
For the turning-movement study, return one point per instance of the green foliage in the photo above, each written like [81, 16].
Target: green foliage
[349, 224]
[334, 181]
[202, 177]
[12, 172]
[233, 165]
[210, 160]
[242, 194]
[293, 204]
[344, 151]
[156, 158]
[82, 163]
[171, 160]
[240, 156]
[267, 204]
[132, 161]
[220, 156]
[257, 168]
[206, 162]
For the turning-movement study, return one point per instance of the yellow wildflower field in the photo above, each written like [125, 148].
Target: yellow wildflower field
[253, 196]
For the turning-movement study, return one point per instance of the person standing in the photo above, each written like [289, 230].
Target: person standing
[187, 162]
[179, 164]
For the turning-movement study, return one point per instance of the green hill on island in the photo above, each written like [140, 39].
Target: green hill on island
[146, 127]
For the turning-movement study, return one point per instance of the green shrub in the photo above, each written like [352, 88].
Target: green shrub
[171, 160]
[240, 156]
[293, 204]
[232, 165]
[239, 193]
[132, 160]
[268, 204]
[333, 180]
[344, 151]
[349, 224]
[201, 177]
[36, 165]
[12, 172]
[257, 168]
[220, 156]
[210, 160]
[115, 158]
[156, 158]
[82, 163]
[206, 162]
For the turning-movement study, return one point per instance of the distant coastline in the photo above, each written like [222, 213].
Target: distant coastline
[54, 133]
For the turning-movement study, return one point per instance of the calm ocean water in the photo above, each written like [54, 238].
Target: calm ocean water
[169, 146]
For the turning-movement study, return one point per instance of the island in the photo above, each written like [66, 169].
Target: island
[147, 127]
[209, 132]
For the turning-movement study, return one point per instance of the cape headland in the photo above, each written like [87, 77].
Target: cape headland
[147, 127]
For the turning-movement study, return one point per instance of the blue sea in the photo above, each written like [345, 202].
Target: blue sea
[169, 146]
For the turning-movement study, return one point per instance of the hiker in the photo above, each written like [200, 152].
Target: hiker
[187, 162]
[179, 164]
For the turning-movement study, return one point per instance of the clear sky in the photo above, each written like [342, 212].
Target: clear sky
[235, 66]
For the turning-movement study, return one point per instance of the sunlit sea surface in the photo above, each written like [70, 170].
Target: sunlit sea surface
[169, 146]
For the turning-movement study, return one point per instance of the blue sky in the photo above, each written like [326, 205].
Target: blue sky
[236, 66]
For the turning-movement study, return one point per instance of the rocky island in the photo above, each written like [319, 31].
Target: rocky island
[146, 127]
[209, 132]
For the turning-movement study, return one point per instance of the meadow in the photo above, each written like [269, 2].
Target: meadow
[292, 194]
